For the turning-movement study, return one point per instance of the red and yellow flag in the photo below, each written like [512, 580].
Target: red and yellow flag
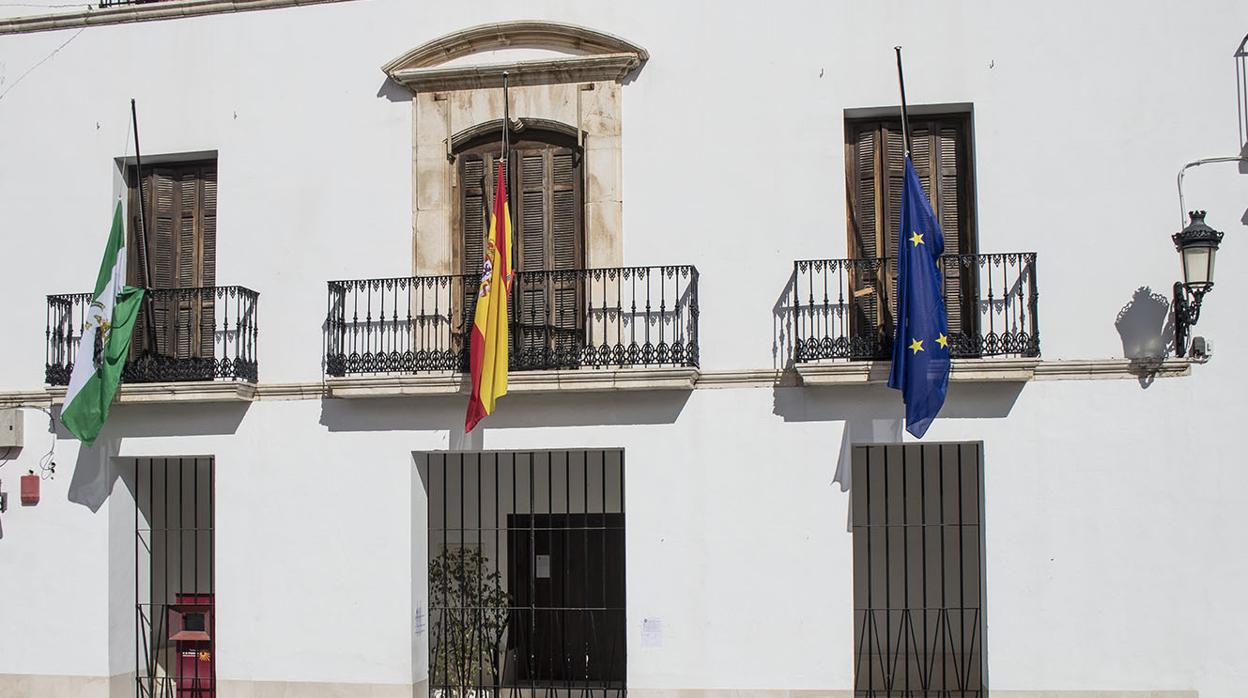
[489, 326]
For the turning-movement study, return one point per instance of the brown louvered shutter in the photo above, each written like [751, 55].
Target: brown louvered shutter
[867, 281]
[181, 203]
[531, 289]
[208, 259]
[545, 190]
[940, 152]
[474, 212]
[566, 288]
[548, 236]
[473, 222]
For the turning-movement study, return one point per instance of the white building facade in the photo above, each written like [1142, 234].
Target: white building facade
[693, 487]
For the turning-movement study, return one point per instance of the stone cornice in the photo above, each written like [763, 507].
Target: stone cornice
[451, 383]
[190, 391]
[998, 371]
[145, 12]
[555, 36]
[592, 56]
[520, 73]
[831, 374]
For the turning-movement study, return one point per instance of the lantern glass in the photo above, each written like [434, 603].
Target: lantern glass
[1198, 266]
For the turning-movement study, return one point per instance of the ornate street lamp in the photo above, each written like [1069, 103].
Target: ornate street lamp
[1198, 246]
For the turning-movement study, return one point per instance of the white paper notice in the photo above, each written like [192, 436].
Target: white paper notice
[651, 632]
[420, 620]
[543, 567]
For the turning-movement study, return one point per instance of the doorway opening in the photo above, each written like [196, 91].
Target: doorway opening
[174, 597]
[526, 573]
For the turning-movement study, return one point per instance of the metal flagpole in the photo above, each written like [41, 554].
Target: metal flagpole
[503, 162]
[147, 259]
[905, 118]
[506, 116]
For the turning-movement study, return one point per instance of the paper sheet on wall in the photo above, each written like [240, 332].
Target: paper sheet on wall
[651, 632]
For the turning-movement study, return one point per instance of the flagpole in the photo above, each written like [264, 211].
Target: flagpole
[147, 260]
[506, 116]
[905, 118]
[506, 146]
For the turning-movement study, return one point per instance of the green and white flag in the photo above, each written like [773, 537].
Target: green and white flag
[105, 341]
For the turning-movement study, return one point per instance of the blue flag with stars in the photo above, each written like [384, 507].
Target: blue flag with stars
[920, 345]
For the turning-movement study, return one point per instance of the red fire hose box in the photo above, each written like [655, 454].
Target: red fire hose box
[30, 489]
[190, 626]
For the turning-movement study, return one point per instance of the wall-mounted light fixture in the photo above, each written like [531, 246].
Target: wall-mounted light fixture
[1197, 244]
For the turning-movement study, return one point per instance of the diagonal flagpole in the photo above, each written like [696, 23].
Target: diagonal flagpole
[146, 267]
[905, 118]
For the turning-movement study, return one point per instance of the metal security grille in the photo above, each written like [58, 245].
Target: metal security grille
[526, 573]
[918, 571]
[174, 601]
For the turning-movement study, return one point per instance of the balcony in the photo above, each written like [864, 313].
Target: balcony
[182, 335]
[611, 319]
[843, 309]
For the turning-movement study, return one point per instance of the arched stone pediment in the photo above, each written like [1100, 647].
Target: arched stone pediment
[590, 55]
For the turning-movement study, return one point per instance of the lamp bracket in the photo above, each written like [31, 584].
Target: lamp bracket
[1186, 314]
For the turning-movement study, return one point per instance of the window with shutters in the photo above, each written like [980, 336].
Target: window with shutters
[544, 184]
[175, 248]
[941, 150]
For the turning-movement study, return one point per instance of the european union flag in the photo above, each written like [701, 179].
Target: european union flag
[920, 345]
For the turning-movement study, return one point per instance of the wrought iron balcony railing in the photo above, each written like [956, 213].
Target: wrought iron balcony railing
[597, 318]
[844, 308]
[182, 334]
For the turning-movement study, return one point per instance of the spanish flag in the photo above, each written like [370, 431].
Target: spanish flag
[489, 326]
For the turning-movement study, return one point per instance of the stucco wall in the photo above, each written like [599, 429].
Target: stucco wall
[1115, 513]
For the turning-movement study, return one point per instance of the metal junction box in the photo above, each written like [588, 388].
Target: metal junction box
[10, 428]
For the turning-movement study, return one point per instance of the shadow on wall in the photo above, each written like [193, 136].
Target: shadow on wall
[1146, 326]
[94, 475]
[782, 326]
[394, 92]
[520, 411]
[1243, 170]
[874, 414]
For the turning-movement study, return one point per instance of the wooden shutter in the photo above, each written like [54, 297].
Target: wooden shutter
[533, 218]
[545, 190]
[867, 283]
[181, 203]
[474, 211]
[876, 170]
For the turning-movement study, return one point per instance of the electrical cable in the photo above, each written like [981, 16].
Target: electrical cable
[47, 466]
[47, 58]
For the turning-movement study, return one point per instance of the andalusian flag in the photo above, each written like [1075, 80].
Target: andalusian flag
[489, 326]
[105, 341]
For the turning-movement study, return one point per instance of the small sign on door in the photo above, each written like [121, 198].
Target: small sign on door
[543, 567]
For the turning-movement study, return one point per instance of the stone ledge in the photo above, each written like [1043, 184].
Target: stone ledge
[521, 73]
[599, 380]
[148, 11]
[193, 391]
[452, 383]
[1112, 369]
[872, 372]
[999, 370]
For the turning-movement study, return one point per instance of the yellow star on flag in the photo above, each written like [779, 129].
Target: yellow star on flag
[916, 239]
[916, 346]
[943, 341]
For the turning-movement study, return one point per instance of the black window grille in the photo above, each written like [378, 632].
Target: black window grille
[174, 597]
[918, 571]
[526, 573]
